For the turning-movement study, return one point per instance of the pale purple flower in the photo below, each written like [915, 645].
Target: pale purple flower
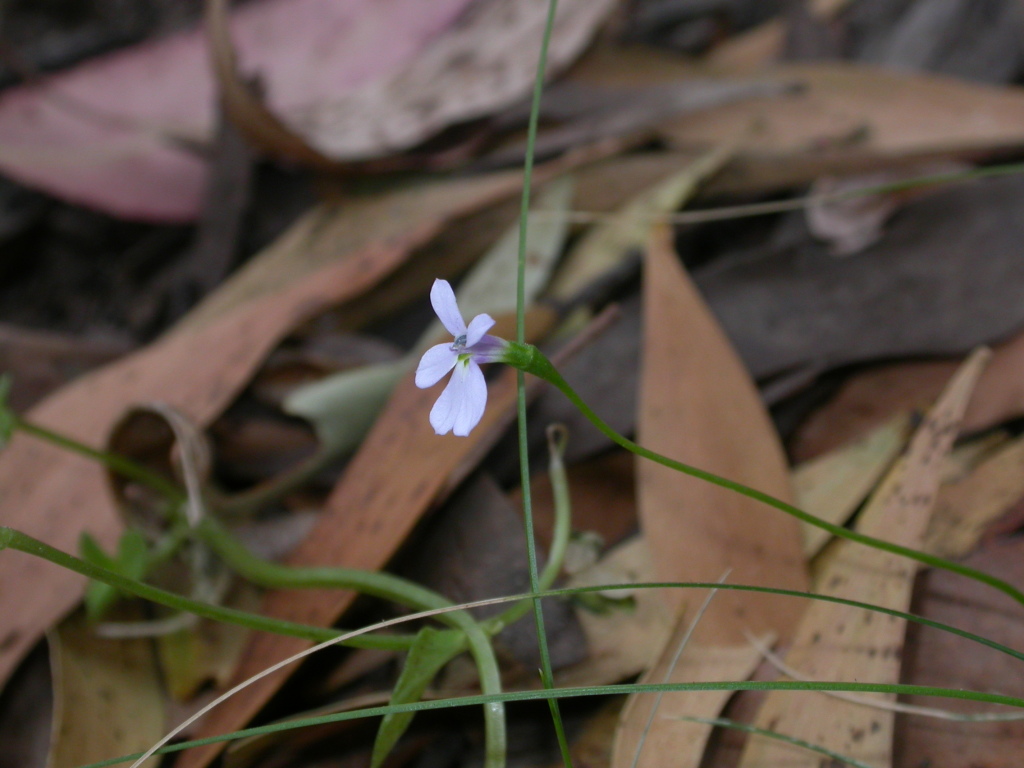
[461, 406]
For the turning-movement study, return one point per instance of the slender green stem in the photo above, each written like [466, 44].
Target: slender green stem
[560, 535]
[541, 367]
[16, 540]
[250, 501]
[276, 576]
[24, 543]
[588, 691]
[383, 585]
[119, 464]
[524, 455]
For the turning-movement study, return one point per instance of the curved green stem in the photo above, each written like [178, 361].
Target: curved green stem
[384, 585]
[119, 464]
[274, 576]
[530, 359]
[17, 540]
[560, 535]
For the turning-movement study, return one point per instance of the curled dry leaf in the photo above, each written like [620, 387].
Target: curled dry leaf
[852, 222]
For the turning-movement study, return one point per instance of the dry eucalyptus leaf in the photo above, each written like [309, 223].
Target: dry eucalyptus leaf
[698, 405]
[121, 132]
[967, 506]
[860, 109]
[832, 486]
[487, 60]
[108, 697]
[837, 642]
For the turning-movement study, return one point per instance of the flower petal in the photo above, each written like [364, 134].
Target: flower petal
[489, 349]
[442, 298]
[478, 326]
[434, 364]
[446, 409]
[473, 399]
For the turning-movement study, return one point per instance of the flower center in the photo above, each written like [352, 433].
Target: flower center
[460, 343]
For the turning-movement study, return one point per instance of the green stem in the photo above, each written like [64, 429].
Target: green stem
[560, 536]
[530, 359]
[383, 585]
[250, 501]
[275, 576]
[524, 457]
[17, 540]
[119, 464]
[602, 690]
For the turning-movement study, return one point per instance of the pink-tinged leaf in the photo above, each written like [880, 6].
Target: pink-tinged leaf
[123, 132]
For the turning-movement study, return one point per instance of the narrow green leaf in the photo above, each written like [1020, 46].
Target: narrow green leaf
[432, 649]
[131, 561]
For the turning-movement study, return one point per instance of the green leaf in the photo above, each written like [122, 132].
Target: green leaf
[132, 561]
[343, 407]
[432, 649]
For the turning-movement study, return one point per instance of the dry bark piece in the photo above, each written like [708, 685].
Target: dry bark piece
[698, 405]
[837, 642]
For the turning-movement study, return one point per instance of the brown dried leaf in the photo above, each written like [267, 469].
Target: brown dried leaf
[869, 398]
[108, 700]
[698, 405]
[968, 506]
[833, 486]
[854, 109]
[836, 642]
